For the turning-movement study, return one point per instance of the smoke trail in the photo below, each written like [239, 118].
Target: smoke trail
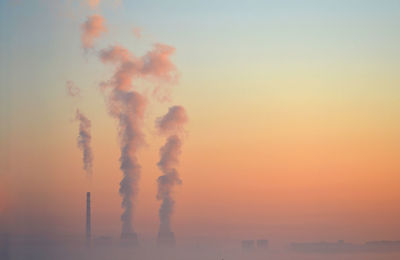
[128, 107]
[173, 121]
[93, 3]
[172, 124]
[169, 159]
[155, 64]
[84, 138]
[72, 89]
[92, 28]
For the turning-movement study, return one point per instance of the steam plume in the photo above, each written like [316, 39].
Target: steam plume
[92, 29]
[170, 124]
[155, 64]
[173, 121]
[72, 89]
[128, 107]
[93, 3]
[84, 138]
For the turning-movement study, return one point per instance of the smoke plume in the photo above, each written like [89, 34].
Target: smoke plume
[93, 3]
[72, 89]
[173, 121]
[155, 64]
[84, 138]
[92, 29]
[170, 124]
[128, 107]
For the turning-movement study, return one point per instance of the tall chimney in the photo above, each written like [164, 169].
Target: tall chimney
[88, 220]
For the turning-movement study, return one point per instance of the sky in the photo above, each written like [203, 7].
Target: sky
[293, 109]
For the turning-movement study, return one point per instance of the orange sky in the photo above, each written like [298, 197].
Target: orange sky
[293, 133]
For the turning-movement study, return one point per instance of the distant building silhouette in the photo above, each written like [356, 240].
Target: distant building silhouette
[166, 239]
[262, 243]
[343, 247]
[382, 246]
[247, 245]
[324, 247]
[129, 239]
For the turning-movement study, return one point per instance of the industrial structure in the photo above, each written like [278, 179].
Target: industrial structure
[248, 245]
[129, 239]
[166, 239]
[262, 244]
[88, 219]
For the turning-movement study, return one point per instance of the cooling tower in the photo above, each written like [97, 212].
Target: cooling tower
[166, 239]
[262, 243]
[248, 245]
[129, 239]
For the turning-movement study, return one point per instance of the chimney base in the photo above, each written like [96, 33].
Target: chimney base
[129, 239]
[166, 239]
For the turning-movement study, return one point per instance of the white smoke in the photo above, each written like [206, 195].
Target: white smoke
[170, 124]
[84, 139]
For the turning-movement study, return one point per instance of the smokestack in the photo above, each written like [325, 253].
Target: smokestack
[88, 219]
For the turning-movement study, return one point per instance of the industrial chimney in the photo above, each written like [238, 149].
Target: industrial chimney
[88, 220]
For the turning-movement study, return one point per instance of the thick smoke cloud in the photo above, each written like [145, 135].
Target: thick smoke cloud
[170, 124]
[169, 154]
[84, 139]
[128, 107]
[92, 29]
[155, 64]
[173, 121]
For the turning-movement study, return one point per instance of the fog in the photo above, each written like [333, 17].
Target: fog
[64, 248]
[292, 143]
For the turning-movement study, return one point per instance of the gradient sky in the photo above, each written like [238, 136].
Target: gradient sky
[294, 110]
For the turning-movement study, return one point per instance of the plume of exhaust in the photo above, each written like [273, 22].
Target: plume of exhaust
[72, 89]
[84, 139]
[92, 29]
[155, 64]
[128, 107]
[171, 125]
[93, 3]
